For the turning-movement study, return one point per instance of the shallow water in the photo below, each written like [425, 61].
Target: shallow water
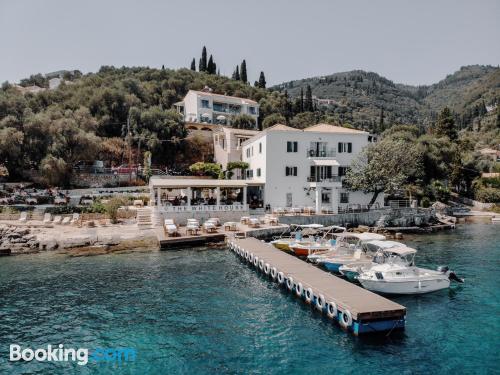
[203, 311]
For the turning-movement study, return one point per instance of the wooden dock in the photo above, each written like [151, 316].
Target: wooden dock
[354, 308]
[188, 241]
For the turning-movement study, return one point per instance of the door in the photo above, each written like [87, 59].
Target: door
[289, 201]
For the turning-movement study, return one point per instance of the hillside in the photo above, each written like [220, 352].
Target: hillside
[360, 96]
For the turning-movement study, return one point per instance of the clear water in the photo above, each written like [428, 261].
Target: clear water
[203, 311]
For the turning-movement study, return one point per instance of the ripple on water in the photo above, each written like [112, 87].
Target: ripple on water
[199, 311]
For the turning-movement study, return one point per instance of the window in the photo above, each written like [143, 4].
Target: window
[344, 197]
[252, 110]
[290, 171]
[260, 148]
[345, 147]
[252, 150]
[205, 103]
[249, 173]
[325, 197]
[291, 146]
[248, 152]
[258, 172]
[342, 171]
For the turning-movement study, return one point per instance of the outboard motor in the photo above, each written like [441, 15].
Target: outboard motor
[443, 269]
[453, 276]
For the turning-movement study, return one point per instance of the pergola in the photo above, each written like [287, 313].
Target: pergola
[195, 190]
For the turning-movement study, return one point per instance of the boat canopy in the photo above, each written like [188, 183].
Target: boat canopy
[401, 251]
[385, 244]
[310, 226]
[363, 236]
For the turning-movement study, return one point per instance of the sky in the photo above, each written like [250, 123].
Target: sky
[407, 41]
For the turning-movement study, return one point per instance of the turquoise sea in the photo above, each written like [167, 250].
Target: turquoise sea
[202, 311]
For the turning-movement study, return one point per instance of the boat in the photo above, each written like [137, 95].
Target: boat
[495, 219]
[381, 251]
[349, 249]
[400, 276]
[319, 245]
[296, 233]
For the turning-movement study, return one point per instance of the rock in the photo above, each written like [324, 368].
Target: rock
[398, 236]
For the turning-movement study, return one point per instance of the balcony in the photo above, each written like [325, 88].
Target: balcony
[329, 153]
[324, 179]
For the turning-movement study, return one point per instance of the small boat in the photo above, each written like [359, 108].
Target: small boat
[403, 277]
[349, 249]
[495, 219]
[296, 233]
[381, 251]
[319, 245]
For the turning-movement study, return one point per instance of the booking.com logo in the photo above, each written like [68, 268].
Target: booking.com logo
[81, 356]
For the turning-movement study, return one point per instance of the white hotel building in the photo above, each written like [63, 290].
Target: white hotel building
[290, 167]
[205, 107]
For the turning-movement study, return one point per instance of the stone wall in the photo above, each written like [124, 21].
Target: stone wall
[404, 217]
[180, 218]
[97, 180]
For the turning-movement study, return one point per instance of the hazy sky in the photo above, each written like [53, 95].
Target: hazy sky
[407, 41]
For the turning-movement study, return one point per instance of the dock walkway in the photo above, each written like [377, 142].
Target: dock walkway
[355, 308]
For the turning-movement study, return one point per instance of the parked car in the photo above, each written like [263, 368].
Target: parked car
[60, 201]
[125, 169]
[31, 201]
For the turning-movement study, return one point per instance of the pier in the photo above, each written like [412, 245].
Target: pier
[356, 309]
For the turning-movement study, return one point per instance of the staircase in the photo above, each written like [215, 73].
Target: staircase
[381, 222]
[37, 214]
[143, 217]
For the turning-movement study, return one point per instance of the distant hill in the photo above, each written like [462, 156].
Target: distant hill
[359, 96]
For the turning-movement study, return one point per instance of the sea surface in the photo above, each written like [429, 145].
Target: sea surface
[202, 311]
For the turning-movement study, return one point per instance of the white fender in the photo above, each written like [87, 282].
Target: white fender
[346, 319]
[309, 295]
[261, 264]
[331, 309]
[299, 289]
[290, 283]
[256, 261]
[320, 302]
[267, 268]
[274, 273]
[281, 277]
[250, 258]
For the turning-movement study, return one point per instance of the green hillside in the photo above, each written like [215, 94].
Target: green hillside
[361, 96]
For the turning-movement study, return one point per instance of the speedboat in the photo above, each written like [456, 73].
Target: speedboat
[349, 249]
[381, 251]
[296, 232]
[319, 245]
[401, 276]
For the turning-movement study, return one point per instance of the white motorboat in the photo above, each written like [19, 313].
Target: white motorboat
[320, 245]
[295, 233]
[400, 276]
[349, 249]
[381, 251]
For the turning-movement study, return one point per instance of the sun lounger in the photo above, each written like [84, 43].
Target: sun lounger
[253, 222]
[244, 219]
[192, 227]
[170, 228]
[215, 220]
[24, 216]
[47, 218]
[75, 219]
[273, 220]
[138, 203]
[57, 220]
[209, 227]
[66, 220]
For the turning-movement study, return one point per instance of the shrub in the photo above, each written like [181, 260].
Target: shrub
[425, 202]
[206, 169]
[112, 207]
[487, 194]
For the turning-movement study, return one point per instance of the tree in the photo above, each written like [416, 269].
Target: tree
[301, 99]
[243, 121]
[55, 171]
[211, 67]
[241, 165]
[193, 65]
[303, 120]
[262, 81]
[445, 125]
[213, 170]
[498, 116]
[203, 60]
[112, 206]
[381, 125]
[147, 165]
[308, 104]
[385, 166]
[273, 119]
[236, 73]
[244, 71]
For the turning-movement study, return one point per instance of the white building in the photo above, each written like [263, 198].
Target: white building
[207, 107]
[227, 146]
[304, 168]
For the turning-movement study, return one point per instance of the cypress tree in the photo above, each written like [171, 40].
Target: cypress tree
[203, 61]
[308, 105]
[381, 126]
[243, 70]
[236, 73]
[210, 66]
[262, 80]
[193, 65]
[445, 125]
[301, 99]
[163, 67]
[498, 116]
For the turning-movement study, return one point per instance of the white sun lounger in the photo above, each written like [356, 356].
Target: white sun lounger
[253, 222]
[75, 218]
[170, 228]
[66, 220]
[47, 218]
[209, 226]
[215, 220]
[24, 216]
[57, 220]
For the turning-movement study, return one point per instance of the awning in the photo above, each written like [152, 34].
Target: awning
[205, 115]
[220, 117]
[325, 162]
